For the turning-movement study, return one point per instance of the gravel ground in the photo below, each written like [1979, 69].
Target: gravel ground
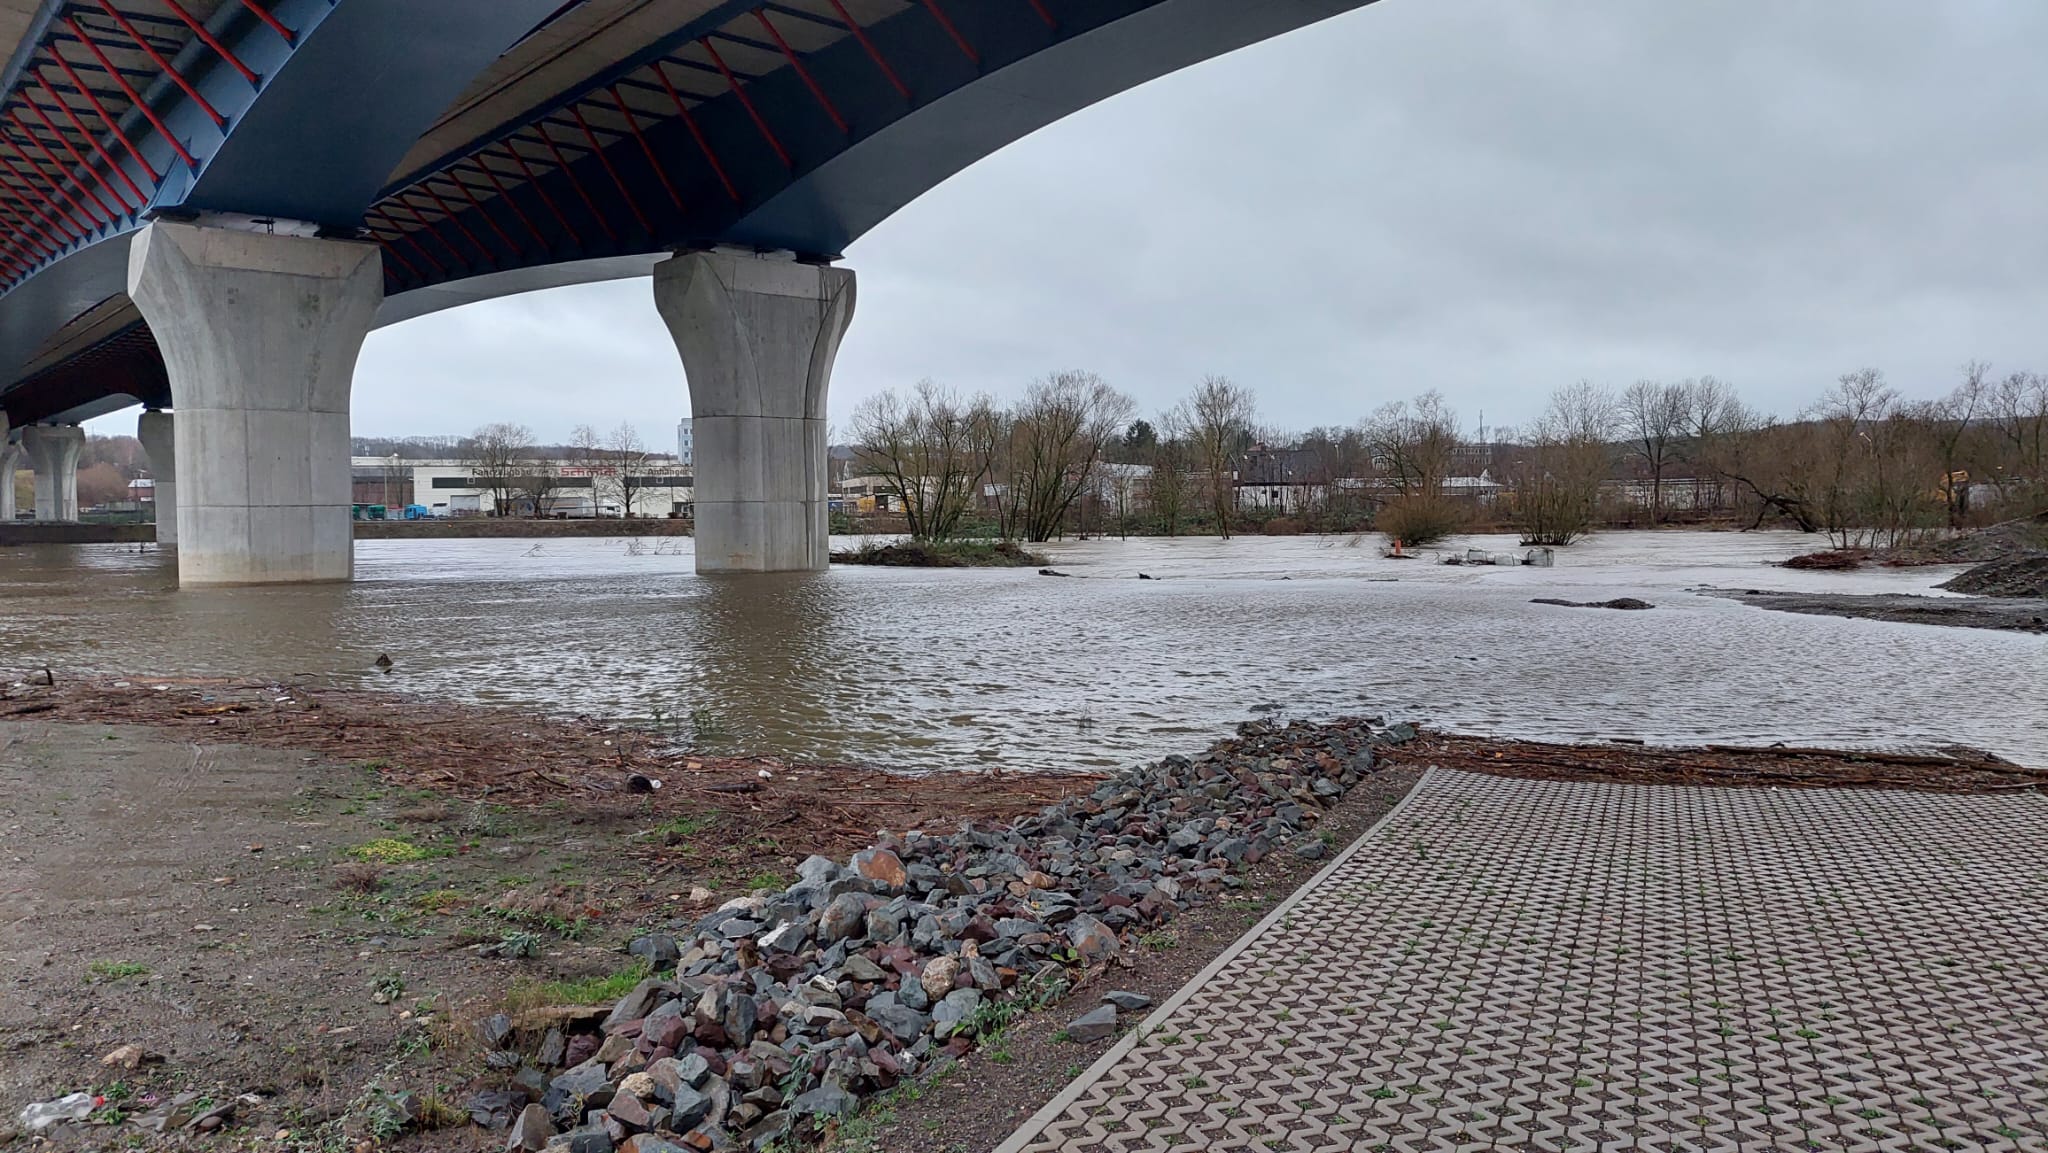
[2014, 614]
[977, 1103]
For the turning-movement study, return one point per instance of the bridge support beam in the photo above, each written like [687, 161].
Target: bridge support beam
[259, 335]
[53, 452]
[159, 437]
[758, 336]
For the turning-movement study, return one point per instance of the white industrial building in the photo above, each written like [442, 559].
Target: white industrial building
[686, 444]
[568, 488]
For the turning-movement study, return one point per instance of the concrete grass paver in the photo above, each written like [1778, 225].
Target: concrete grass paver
[1505, 964]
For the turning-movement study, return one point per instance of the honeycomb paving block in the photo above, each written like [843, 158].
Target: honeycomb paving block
[1544, 965]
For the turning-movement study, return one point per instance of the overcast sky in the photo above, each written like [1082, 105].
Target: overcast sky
[1486, 197]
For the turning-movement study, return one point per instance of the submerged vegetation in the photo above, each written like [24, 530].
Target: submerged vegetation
[942, 554]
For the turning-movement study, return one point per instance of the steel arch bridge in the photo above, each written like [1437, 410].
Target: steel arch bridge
[495, 146]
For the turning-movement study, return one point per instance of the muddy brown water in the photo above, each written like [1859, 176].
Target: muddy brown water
[963, 668]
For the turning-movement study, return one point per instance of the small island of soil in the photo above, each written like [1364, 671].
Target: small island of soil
[943, 554]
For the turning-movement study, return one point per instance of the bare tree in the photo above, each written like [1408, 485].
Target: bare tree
[1554, 488]
[1713, 412]
[625, 459]
[1948, 423]
[1219, 429]
[1171, 460]
[2019, 412]
[541, 482]
[1654, 415]
[1414, 447]
[1057, 437]
[496, 455]
[932, 450]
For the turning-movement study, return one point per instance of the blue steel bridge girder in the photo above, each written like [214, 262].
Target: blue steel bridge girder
[762, 152]
[800, 158]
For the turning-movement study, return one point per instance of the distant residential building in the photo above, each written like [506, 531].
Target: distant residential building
[1481, 489]
[839, 461]
[686, 443]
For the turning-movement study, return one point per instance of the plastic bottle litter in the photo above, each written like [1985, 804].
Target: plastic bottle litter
[43, 1114]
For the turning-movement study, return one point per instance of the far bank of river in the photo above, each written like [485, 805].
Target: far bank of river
[22, 533]
[969, 668]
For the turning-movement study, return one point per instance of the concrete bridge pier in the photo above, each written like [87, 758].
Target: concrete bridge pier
[10, 463]
[259, 334]
[53, 452]
[758, 335]
[159, 442]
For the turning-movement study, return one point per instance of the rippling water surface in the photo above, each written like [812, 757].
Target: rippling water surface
[940, 669]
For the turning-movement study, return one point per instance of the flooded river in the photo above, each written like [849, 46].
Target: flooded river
[964, 668]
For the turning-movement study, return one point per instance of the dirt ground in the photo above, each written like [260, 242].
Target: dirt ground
[289, 892]
[294, 893]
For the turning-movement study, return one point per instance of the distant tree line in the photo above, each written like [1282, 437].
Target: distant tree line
[516, 472]
[1862, 465]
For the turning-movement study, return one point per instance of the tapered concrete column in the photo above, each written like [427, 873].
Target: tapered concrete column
[159, 442]
[10, 463]
[53, 452]
[758, 337]
[259, 335]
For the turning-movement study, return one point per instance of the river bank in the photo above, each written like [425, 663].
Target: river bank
[340, 890]
[960, 668]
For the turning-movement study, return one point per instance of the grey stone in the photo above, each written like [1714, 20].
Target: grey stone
[899, 1021]
[825, 1101]
[818, 870]
[1097, 1024]
[959, 1005]
[634, 1005]
[585, 1080]
[1128, 1002]
[788, 937]
[859, 968]
[658, 948]
[1092, 939]
[845, 916]
[688, 1108]
[740, 1019]
[588, 1139]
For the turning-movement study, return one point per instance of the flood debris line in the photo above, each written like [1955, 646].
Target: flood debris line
[1945, 769]
[774, 1015]
[515, 758]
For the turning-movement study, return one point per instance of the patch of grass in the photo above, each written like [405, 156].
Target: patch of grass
[115, 970]
[683, 828]
[389, 851]
[594, 990]
[440, 900]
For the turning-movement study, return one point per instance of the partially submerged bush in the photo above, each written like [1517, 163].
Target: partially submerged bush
[943, 554]
[1420, 520]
